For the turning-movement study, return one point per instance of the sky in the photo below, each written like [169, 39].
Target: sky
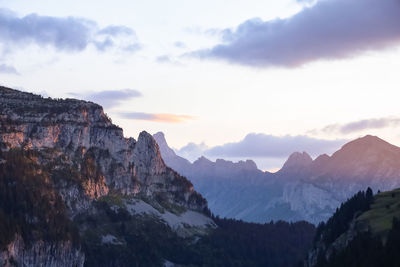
[244, 79]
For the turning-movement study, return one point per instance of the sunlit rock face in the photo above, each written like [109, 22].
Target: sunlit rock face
[85, 157]
[304, 189]
[83, 133]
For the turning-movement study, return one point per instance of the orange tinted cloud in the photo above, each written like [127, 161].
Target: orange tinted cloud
[157, 117]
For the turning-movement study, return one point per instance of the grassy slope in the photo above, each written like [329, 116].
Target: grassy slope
[380, 217]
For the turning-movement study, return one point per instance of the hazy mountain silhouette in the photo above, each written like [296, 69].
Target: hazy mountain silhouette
[302, 189]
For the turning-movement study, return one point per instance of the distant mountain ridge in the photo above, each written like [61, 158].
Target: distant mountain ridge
[303, 189]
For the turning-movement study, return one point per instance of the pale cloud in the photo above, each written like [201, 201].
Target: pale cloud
[110, 98]
[156, 117]
[192, 151]
[168, 59]
[180, 44]
[7, 69]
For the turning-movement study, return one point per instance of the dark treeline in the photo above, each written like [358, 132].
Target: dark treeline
[365, 249]
[339, 222]
[368, 251]
[238, 243]
[29, 206]
[148, 242]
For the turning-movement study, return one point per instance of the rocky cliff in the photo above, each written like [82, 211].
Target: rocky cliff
[79, 131]
[81, 157]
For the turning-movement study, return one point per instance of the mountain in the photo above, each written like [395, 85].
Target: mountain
[296, 163]
[170, 154]
[233, 190]
[303, 189]
[84, 134]
[368, 160]
[75, 192]
[71, 157]
[364, 231]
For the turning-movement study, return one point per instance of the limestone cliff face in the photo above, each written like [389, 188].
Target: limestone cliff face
[82, 132]
[86, 156]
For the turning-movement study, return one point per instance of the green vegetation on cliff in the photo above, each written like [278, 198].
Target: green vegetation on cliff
[29, 205]
[111, 236]
[371, 236]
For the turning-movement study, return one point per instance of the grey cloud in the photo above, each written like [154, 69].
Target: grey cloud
[8, 69]
[163, 59]
[71, 34]
[262, 145]
[114, 30]
[132, 47]
[357, 126]
[104, 45]
[110, 98]
[330, 29]
[180, 44]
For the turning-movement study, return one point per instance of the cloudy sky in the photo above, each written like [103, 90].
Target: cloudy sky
[233, 79]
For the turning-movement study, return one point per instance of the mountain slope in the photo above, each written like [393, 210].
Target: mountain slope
[304, 189]
[66, 156]
[365, 231]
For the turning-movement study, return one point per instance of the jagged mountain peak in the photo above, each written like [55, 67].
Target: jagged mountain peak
[320, 161]
[166, 151]
[366, 150]
[368, 142]
[148, 151]
[242, 165]
[169, 156]
[322, 158]
[296, 161]
[249, 163]
[146, 138]
[202, 160]
[160, 137]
